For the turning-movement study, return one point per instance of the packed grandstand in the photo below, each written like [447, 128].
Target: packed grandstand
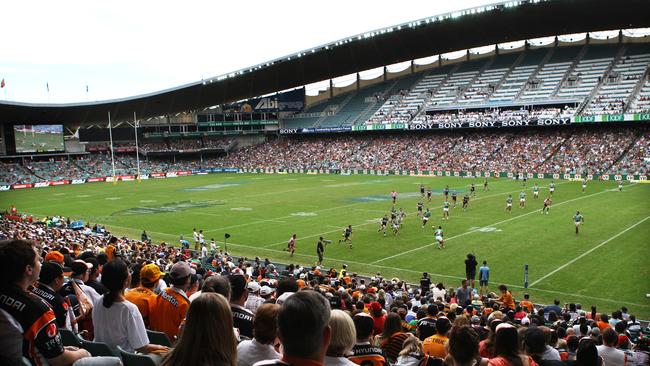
[563, 109]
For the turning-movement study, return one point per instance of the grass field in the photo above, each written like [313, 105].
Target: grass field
[39, 142]
[605, 265]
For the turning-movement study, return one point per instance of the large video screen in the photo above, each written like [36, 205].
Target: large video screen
[38, 138]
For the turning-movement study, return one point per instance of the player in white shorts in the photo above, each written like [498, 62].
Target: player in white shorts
[445, 211]
[439, 239]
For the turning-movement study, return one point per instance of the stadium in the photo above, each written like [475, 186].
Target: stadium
[386, 171]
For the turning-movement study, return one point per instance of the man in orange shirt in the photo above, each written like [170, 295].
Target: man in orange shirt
[435, 346]
[506, 299]
[603, 323]
[527, 303]
[168, 309]
[143, 295]
[110, 248]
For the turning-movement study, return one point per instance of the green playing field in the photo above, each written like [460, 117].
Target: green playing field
[606, 264]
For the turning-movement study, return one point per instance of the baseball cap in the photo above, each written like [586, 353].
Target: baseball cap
[49, 272]
[180, 270]
[476, 319]
[266, 290]
[150, 273]
[253, 286]
[55, 256]
[283, 298]
[79, 267]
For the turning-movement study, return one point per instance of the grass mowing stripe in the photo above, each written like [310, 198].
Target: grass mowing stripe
[483, 227]
[587, 252]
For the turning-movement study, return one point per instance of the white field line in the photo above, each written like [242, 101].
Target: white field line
[339, 230]
[321, 210]
[432, 274]
[587, 252]
[271, 220]
[491, 225]
[278, 218]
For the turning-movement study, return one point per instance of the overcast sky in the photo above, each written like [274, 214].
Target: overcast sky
[125, 48]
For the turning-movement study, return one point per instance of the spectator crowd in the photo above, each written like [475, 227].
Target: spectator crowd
[618, 150]
[140, 299]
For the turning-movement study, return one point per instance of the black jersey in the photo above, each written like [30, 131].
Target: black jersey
[347, 232]
[453, 196]
[58, 303]
[41, 338]
[465, 199]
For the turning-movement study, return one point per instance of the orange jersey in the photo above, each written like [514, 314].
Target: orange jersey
[527, 304]
[110, 252]
[507, 300]
[168, 309]
[435, 346]
[141, 297]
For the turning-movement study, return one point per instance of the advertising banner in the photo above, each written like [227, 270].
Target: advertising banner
[491, 124]
[78, 181]
[22, 186]
[291, 101]
[41, 184]
[289, 131]
[5, 188]
[93, 180]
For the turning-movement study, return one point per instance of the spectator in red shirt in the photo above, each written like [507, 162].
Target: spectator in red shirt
[378, 317]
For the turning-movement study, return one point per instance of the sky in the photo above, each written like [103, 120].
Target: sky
[126, 48]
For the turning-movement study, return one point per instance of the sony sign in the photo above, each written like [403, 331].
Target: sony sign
[553, 121]
[288, 131]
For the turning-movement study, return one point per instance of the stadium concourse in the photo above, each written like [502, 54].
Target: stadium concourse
[620, 150]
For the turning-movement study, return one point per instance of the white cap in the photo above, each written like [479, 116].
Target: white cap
[253, 286]
[266, 290]
[283, 298]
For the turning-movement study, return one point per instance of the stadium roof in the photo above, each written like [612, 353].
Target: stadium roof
[491, 24]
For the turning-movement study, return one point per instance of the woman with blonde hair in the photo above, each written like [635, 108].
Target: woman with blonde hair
[344, 336]
[208, 338]
[411, 353]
